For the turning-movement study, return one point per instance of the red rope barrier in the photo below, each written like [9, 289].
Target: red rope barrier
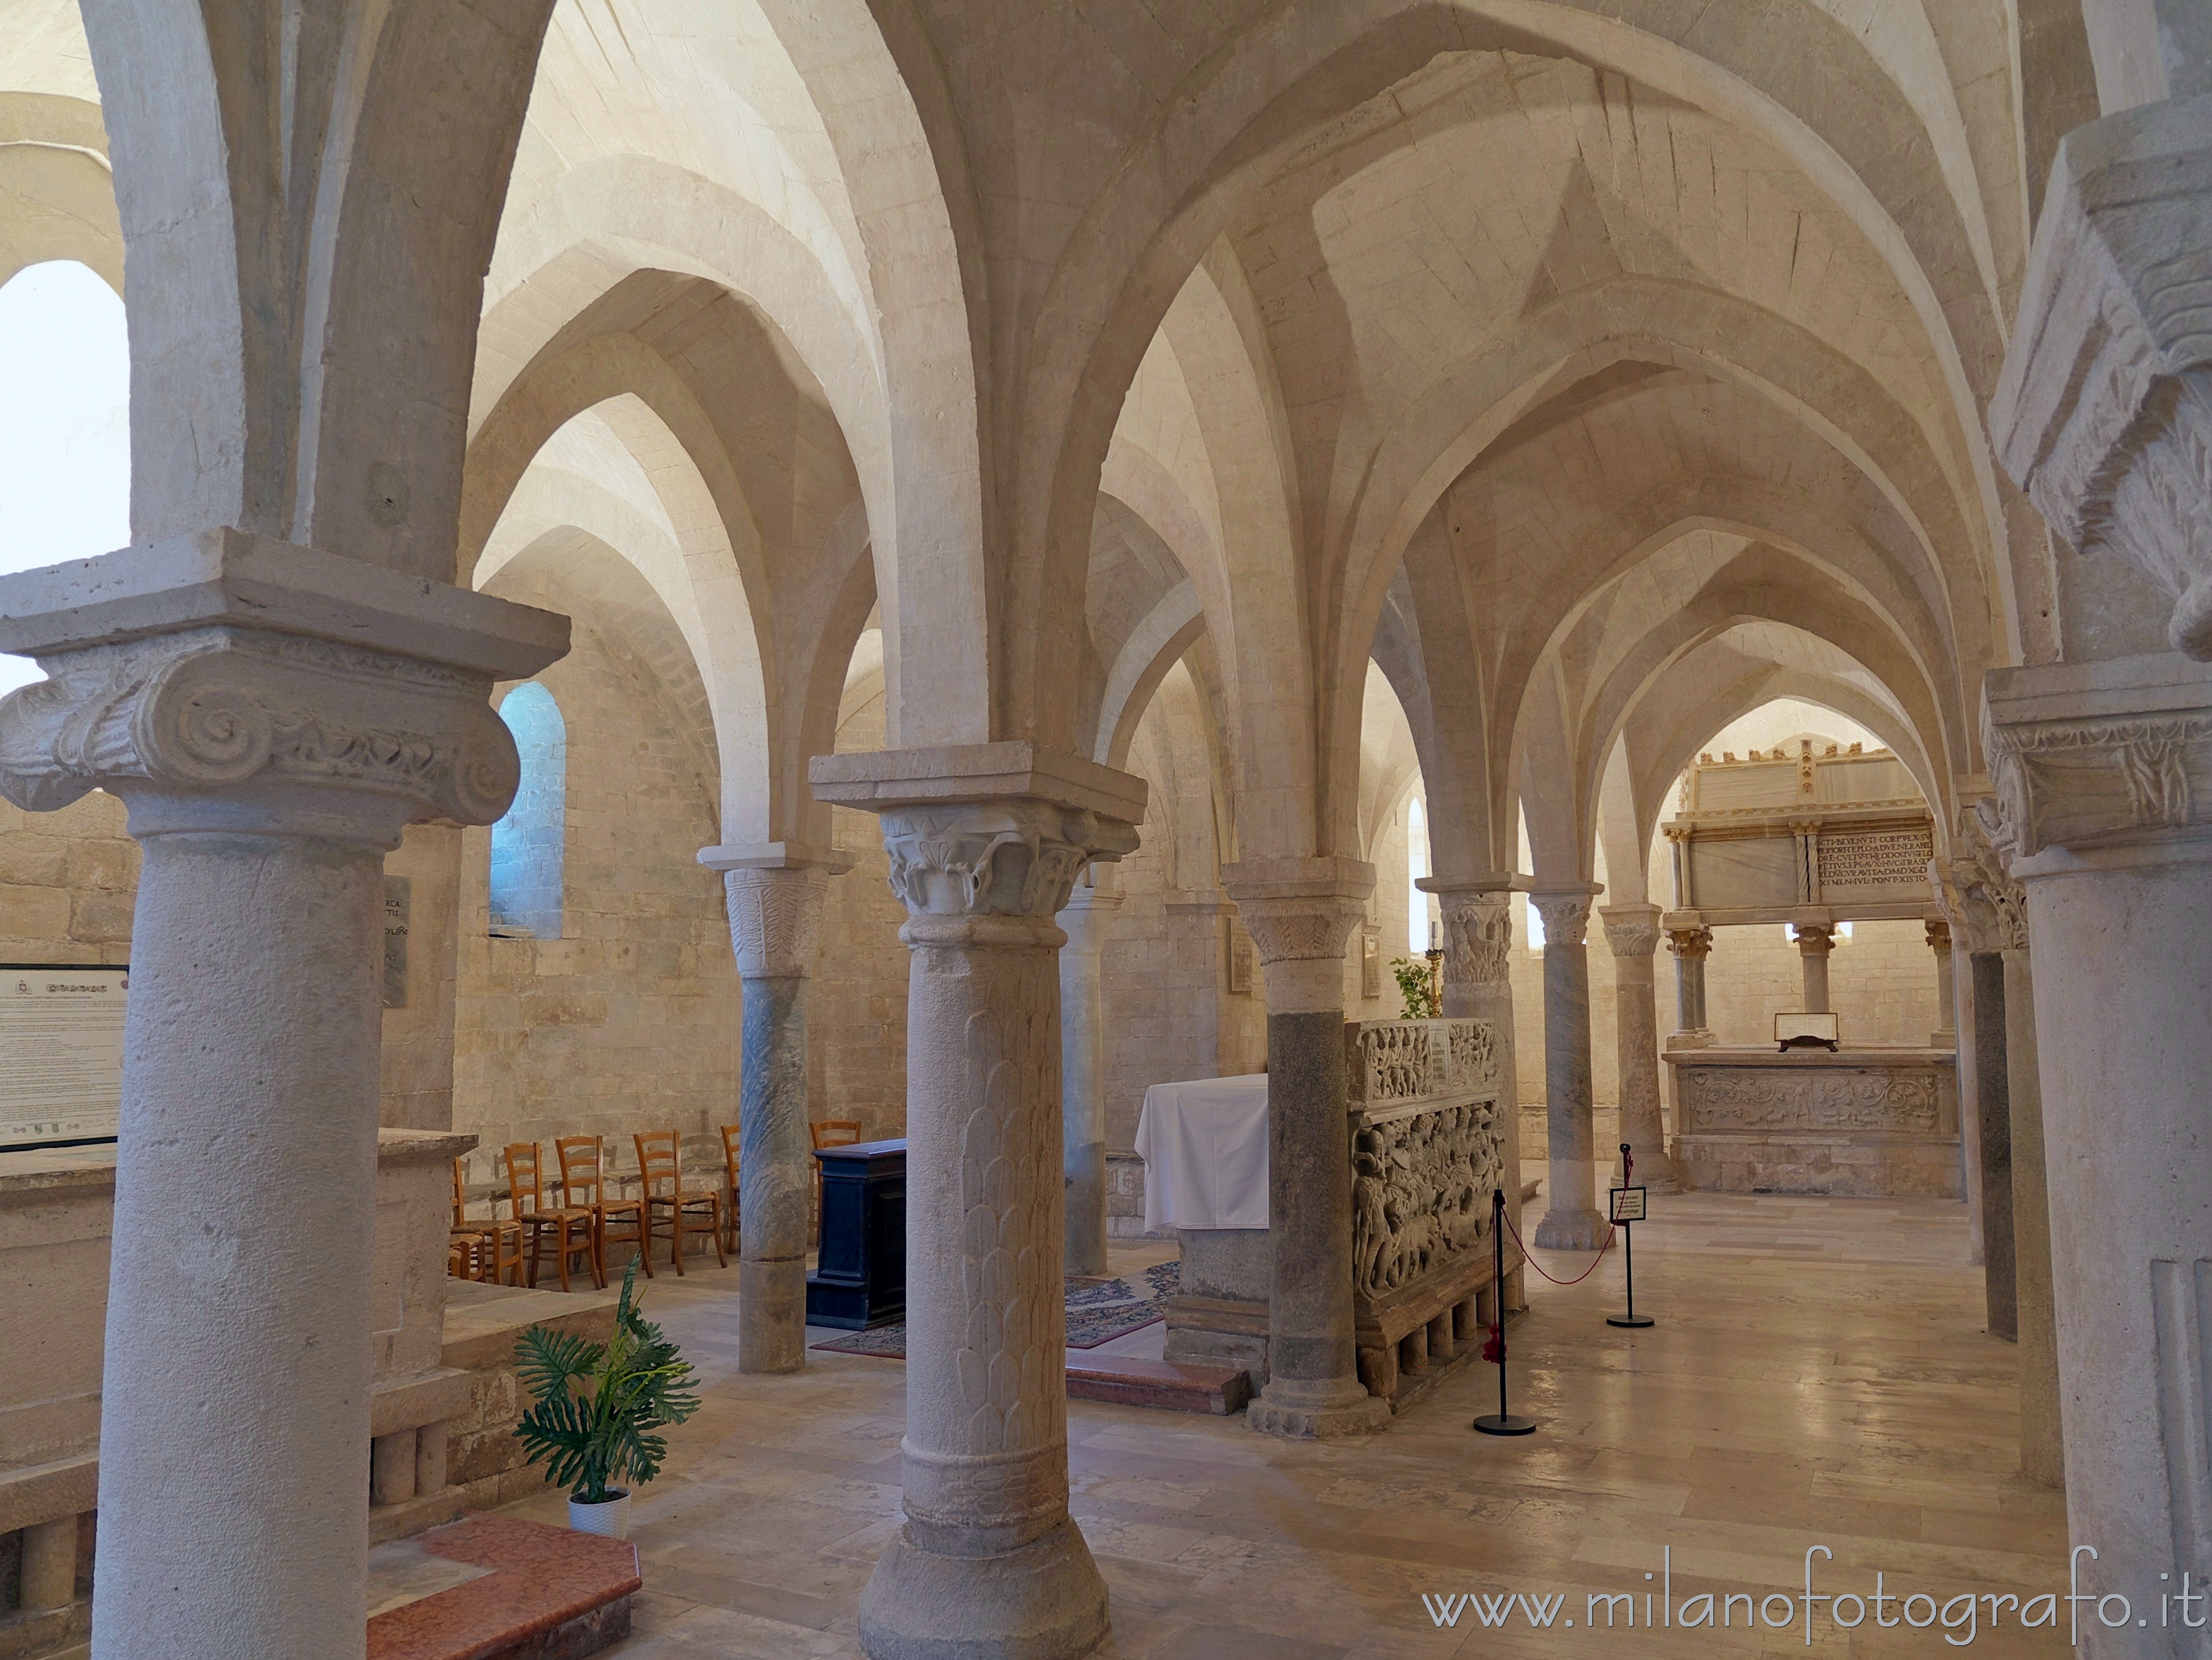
[1539, 1267]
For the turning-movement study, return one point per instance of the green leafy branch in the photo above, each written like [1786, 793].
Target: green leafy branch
[1417, 988]
[597, 1405]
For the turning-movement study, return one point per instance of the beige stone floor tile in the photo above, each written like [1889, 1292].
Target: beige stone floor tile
[1820, 1375]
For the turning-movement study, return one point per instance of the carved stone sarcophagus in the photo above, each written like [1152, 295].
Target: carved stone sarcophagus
[1427, 1129]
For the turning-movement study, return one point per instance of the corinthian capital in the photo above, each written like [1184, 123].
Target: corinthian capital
[1300, 912]
[223, 680]
[987, 829]
[1566, 912]
[2104, 412]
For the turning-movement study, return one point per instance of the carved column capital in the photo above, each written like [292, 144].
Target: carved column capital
[1478, 918]
[1815, 938]
[1996, 904]
[1566, 912]
[2092, 755]
[1631, 930]
[775, 892]
[989, 836]
[222, 681]
[2103, 412]
[1300, 912]
[1939, 935]
[1693, 943]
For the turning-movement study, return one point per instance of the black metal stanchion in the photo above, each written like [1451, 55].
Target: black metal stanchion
[1628, 1210]
[1500, 1422]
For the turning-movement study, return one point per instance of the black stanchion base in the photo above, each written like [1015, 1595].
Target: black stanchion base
[1628, 1320]
[1507, 1423]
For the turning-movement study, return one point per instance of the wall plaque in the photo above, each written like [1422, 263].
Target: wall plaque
[61, 1052]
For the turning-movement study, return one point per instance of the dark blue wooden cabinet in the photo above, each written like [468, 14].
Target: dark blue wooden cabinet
[861, 1278]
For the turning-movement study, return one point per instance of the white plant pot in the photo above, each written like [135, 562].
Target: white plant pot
[609, 1519]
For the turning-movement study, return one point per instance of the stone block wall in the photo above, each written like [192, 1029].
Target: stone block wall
[630, 1019]
[1881, 983]
[856, 1011]
[69, 881]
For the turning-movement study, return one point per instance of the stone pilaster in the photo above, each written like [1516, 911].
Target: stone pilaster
[1690, 946]
[1945, 1033]
[1571, 1220]
[1478, 918]
[1299, 913]
[1633, 931]
[1086, 921]
[986, 842]
[273, 716]
[774, 893]
[1814, 942]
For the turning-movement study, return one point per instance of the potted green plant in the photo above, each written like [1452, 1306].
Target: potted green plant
[597, 1407]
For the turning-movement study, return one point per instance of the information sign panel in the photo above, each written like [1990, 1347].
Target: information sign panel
[61, 1052]
[1627, 1204]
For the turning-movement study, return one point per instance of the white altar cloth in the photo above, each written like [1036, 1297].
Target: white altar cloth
[1205, 1147]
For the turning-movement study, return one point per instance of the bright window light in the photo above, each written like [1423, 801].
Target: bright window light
[65, 425]
[1535, 928]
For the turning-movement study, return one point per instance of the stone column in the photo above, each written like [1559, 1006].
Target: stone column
[1571, 1220]
[985, 842]
[2103, 783]
[1299, 913]
[273, 716]
[1691, 946]
[1087, 919]
[1633, 931]
[1992, 1106]
[773, 892]
[1814, 941]
[1478, 916]
[1946, 1035]
[1942, 877]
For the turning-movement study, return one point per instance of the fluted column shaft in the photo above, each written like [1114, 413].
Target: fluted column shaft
[1478, 916]
[1299, 913]
[1633, 931]
[774, 893]
[985, 843]
[1571, 1221]
[266, 778]
[1086, 921]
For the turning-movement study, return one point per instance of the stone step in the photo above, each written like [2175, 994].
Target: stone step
[499, 1588]
[1163, 1384]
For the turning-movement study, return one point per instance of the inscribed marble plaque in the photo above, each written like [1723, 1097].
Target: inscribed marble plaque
[61, 1054]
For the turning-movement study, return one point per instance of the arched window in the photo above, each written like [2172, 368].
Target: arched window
[527, 845]
[1417, 866]
[65, 425]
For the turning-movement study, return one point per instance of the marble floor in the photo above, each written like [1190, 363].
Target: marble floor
[1818, 1376]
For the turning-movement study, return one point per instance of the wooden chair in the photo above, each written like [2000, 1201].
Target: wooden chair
[568, 1226]
[730, 1185]
[830, 1132]
[614, 1221]
[494, 1245]
[660, 1160]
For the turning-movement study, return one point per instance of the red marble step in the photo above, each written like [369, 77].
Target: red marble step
[533, 1593]
[1130, 1382]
